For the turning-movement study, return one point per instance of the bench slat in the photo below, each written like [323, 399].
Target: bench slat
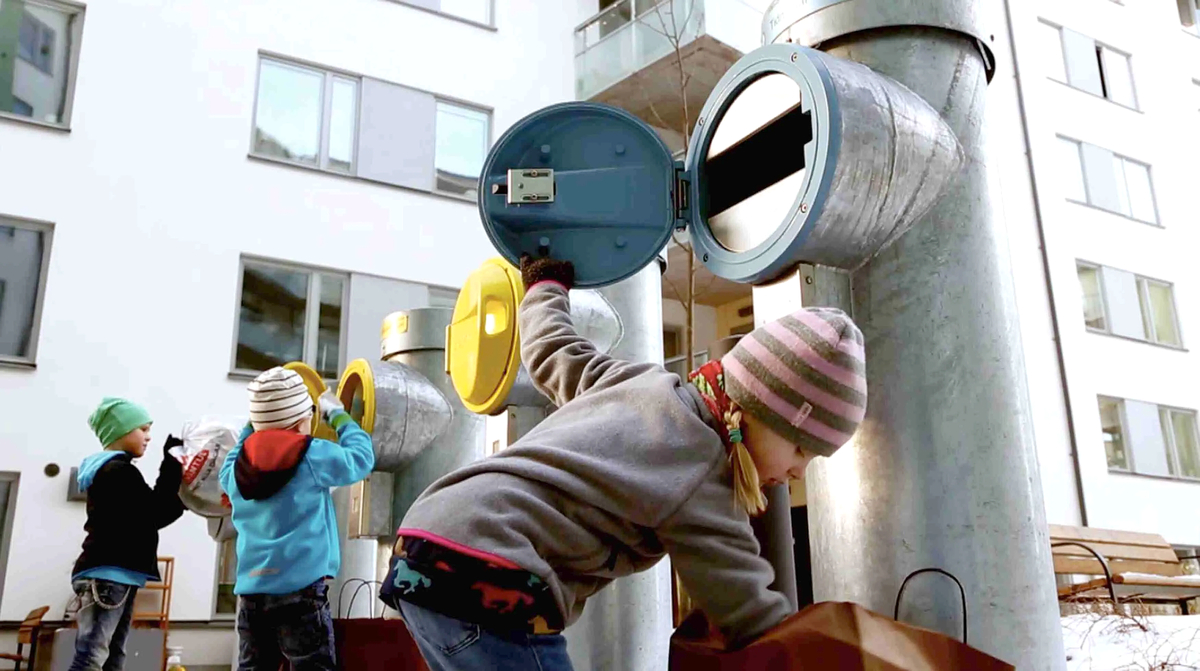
[1112, 551]
[1064, 565]
[1086, 534]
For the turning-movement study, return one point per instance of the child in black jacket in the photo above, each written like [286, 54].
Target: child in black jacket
[120, 552]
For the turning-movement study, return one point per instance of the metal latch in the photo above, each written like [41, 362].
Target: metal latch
[530, 186]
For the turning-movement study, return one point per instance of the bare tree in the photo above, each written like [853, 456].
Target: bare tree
[668, 24]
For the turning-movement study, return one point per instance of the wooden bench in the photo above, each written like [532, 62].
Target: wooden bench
[1130, 565]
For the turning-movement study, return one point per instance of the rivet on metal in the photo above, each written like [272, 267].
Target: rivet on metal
[700, 121]
[544, 241]
[545, 149]
[621, 242]
[620, 150]
[794, 57]
[804, 207]
[808, 279]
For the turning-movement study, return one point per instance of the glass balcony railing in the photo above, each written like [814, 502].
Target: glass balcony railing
[630, 35]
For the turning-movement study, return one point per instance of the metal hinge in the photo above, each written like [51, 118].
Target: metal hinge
[679, 198]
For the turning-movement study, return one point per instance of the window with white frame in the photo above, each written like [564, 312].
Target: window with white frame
[367, 128]
[1093, 297]
[1098, 177]
[1150, 439]
[1121, 303]
[461, 146]
[8, 509]
[24, 265]
[290, 313]
[38, 56]
[1080, 62]
[1189, 15]
[305, 115]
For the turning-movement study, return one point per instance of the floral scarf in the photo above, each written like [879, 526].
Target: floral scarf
[709, 381]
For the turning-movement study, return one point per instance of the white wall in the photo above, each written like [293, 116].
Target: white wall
[1164, 60]
[154, 199]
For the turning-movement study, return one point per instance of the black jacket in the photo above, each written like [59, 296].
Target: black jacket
[124, 515]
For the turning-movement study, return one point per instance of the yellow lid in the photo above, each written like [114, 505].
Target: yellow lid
[483, 350]
[316, 387]
[357, 393]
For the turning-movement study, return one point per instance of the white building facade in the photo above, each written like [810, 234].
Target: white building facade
[328, 179]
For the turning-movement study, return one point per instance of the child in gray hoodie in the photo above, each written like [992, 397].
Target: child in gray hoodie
[494, 560]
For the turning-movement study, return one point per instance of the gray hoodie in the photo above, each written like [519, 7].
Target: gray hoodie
[627, 470]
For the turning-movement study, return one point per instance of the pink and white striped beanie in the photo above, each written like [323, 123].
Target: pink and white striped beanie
[804, 376]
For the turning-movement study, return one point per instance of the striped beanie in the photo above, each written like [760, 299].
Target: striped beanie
[278, 400]
[803, 376]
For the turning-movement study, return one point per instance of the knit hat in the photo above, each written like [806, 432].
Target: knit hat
[803, 376]
[278, 400]
[115, 418]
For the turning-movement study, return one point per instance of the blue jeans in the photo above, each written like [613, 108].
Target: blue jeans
[448, 644]
[296, 627]
[105, 610]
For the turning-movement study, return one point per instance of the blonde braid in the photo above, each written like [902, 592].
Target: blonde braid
[747, 489]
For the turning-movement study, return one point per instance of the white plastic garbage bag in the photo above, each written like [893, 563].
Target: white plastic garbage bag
[206, 442]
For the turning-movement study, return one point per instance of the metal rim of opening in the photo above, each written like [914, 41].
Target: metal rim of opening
[779, 251]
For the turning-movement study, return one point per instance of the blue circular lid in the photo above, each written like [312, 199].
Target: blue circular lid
[581, 182]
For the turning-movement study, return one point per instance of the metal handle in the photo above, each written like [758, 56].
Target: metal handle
[962, 592]
[1112, 592]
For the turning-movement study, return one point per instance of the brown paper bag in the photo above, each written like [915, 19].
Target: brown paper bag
[830, 635]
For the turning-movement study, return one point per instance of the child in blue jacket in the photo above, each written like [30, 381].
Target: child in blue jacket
[278, 478]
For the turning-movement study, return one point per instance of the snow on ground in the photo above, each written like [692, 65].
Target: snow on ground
[1111, 643]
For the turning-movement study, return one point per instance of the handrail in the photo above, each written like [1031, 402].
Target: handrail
[933, 569]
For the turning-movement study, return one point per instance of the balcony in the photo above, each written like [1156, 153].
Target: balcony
[625, 55]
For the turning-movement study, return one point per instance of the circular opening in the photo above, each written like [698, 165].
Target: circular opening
[51, 470]
[754, 167]
[353, 398]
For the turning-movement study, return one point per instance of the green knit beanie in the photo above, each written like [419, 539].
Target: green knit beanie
[115, 418]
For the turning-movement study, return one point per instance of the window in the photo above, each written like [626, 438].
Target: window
[368, 128]
[1189, 15]
[24, 263]
[1093, 297]
[226, 602]
[1098, 177]
[474, 11]
[1078, 61]
[288, 313]
[462, 144]
[44, 37]
[306, 116]
[1124, 304]
[1053, 57]
[1072, 170]
[8, 509]
[1158, 312]
[1179, 433]
[1150, 439]
[1112, 427]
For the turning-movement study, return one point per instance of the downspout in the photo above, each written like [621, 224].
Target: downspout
[1041, 231]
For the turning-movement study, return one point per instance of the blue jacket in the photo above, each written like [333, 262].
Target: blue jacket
[278, 483]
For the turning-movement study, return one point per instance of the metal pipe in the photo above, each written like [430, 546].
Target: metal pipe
[943, 471]
[628, 624]
[1045, 255]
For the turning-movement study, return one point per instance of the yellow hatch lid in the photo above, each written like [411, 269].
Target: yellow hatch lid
[483, 348]
[316, 387]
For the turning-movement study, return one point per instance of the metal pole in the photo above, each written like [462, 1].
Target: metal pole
[943, 471]
[628, 624]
